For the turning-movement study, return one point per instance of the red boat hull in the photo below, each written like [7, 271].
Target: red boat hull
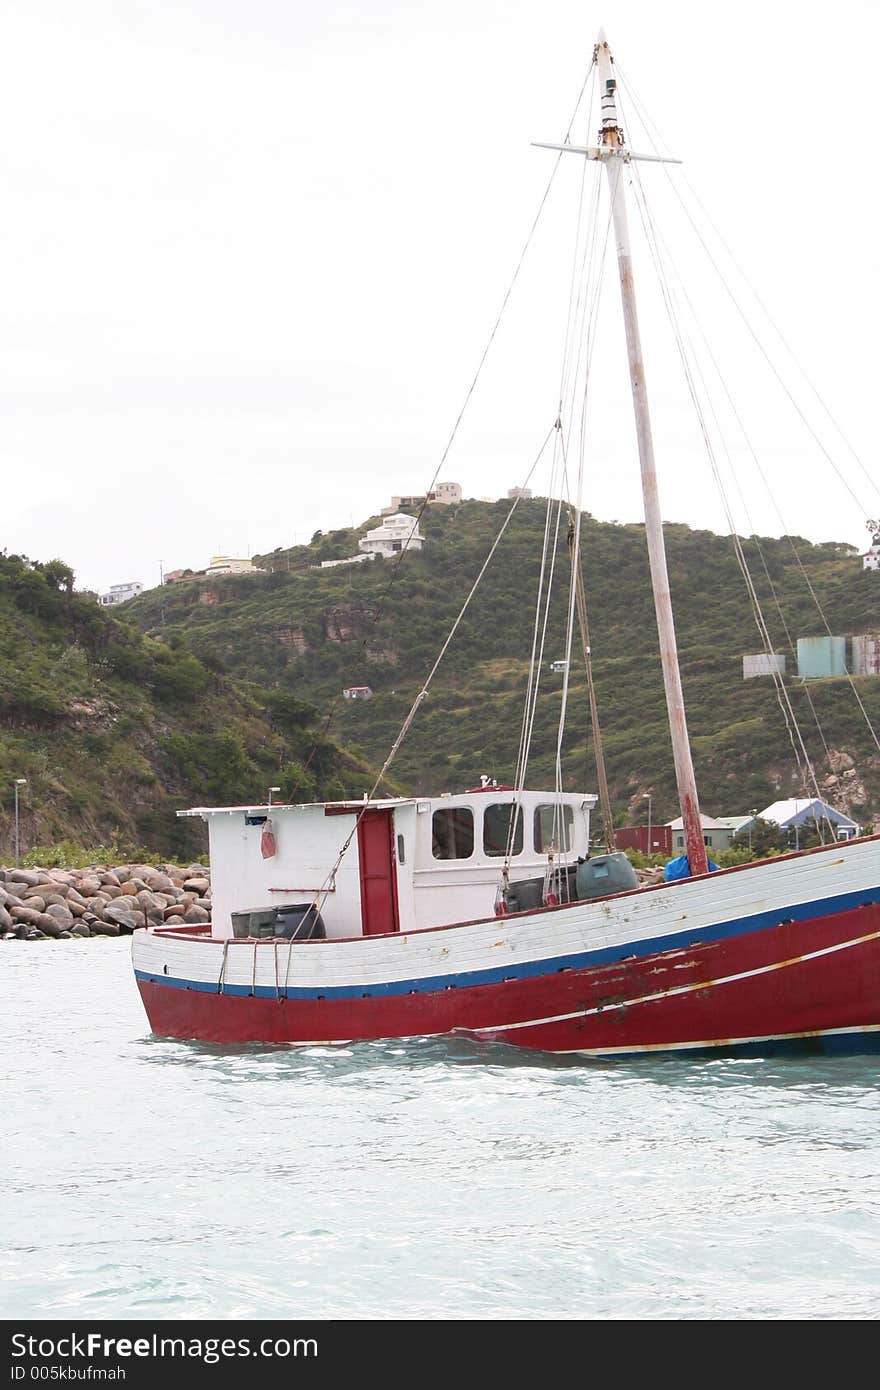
[815, 980]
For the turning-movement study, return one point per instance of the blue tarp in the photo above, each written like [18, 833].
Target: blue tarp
[680, 868]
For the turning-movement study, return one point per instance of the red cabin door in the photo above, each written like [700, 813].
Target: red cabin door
[378, 873]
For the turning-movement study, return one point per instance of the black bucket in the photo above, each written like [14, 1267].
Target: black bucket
[299, 922]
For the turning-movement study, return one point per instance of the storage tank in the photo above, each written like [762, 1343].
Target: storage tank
[866, 654]
[762, 664]
[821, 656]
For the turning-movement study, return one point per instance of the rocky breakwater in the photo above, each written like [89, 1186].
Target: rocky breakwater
[46, 904]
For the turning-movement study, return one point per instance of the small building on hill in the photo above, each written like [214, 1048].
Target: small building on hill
[357, 692]
[653, 839]
[119, 593]
[716, 835]
[230, 564]
[871, 557]
[396, 533]
[763, 664]
[443, 495]
[795, 815]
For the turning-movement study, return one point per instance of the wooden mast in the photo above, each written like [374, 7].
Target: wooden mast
[613, 155]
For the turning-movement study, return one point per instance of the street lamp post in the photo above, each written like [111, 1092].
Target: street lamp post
[646, 796]
[751, 823]
[19, 782]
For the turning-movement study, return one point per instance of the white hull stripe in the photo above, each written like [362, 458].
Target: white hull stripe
[694, 934]
[677, 990]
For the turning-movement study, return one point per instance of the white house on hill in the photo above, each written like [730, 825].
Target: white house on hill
[390, 538]
[794, 815]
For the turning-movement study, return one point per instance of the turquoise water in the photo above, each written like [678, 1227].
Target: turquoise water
[152, 1179]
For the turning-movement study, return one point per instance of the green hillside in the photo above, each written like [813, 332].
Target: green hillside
[114, 731]
[311, 632]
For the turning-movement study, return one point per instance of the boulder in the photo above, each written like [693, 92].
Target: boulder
[159, 883]
[74, 897]
[121, 914]
[110, 879]
[199, 886]
[80, 929]
[25, 914]
[35, 900]
[61, 913]
[174, 922]
[47, 924]
[36, 935]
[104, 929]
[5, 919]
[151, 902]
[29, 876]
[131, 887]
[89, 884]
[196, 914]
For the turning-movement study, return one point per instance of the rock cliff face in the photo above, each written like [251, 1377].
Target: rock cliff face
[41, 904]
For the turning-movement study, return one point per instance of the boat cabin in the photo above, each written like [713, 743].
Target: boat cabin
[411, 862]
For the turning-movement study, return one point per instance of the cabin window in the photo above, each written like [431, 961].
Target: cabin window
[496, 829]
[553, 828]
[401, 856]
[453, 833]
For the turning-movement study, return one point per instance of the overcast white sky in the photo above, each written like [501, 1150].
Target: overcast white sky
[251, 251]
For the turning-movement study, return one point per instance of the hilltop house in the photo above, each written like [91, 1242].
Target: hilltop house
[118, 593]
[443, 495]
[229, 564]
[395, 533]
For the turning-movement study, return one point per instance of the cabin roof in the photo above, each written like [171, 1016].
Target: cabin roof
[384, 803]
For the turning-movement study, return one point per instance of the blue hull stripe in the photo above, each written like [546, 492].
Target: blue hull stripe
[799, 912]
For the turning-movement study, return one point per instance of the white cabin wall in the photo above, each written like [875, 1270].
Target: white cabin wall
[462, 890]
[307, 843]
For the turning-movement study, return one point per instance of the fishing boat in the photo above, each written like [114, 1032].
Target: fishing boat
[486, 914]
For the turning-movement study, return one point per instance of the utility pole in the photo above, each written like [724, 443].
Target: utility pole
[19, 782]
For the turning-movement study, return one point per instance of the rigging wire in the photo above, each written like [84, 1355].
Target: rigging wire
[761, 348]
[795, 735]
[384, 596]
[664, 249]
[788, 536]
[327, 885]
[650, 126]
[580, 328]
